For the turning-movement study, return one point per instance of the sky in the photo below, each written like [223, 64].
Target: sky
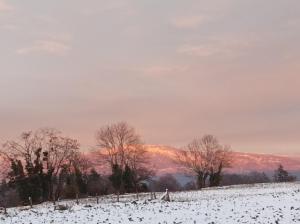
[173, 69]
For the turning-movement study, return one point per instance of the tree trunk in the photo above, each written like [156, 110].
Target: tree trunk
[200, 180]
[205, 178]
[50, 194]
[57, 191]
[215, 177]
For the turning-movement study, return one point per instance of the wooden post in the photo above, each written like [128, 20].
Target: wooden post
[77, 201]
[53, 199]
[4, 205]
[97, 198]
[167, 195]
[30, 201]
[118, 196]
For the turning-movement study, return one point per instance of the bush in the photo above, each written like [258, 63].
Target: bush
[167, 181]
[248, 178]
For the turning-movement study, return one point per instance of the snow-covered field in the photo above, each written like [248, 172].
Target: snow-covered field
[262, 203]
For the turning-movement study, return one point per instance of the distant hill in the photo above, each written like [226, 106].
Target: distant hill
[162, 158]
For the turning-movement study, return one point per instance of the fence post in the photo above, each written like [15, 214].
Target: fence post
[167, 195]
[97, 198]
[53, 199]
[77, 201]
[4, 205]
[30, 201]
[118, 196]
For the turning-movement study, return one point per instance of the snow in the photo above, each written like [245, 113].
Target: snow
[261, 203]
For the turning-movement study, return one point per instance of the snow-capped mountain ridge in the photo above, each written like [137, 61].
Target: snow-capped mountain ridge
[163, 159]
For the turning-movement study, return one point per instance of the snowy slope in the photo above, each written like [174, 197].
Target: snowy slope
[262, 203]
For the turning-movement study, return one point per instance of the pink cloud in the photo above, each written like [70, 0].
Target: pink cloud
[198, 50]
[92, 10]
[53, 47]
[162, 70]
[188, 22]
[9, 27]
[5, 7]
[230, 46]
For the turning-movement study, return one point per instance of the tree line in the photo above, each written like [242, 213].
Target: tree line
[45, 165]
[227, 179]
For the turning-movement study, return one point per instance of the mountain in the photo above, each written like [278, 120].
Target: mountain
[163, 160]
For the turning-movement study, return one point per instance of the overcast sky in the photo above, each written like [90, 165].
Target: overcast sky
[173, 69]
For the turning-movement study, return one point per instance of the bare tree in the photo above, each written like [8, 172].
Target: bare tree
[138, 162]
[206, 158]
[117, 141]
[56, 150]
[121, 146]
[81, 162]
[4, 166]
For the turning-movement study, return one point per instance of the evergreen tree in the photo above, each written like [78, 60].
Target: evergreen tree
[281, 175]
[94, 183]
[81, 181]
[128, 180]
[71, 187]
[30, 183]
[16, 178]
[116, 178]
